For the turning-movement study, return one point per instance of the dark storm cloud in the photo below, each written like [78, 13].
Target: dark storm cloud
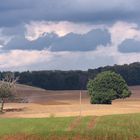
[13, 12]
[70, 42]
[130, 46]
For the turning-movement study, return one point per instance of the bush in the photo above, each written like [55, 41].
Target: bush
[107, 86]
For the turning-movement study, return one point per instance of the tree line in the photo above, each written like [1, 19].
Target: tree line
[75, 80]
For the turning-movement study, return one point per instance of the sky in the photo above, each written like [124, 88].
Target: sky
[68, 34]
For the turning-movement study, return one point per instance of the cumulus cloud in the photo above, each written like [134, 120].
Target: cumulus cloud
[121, 31]
[34, 55]
[85, 42]
[42, 60]
[48, 34]
[62, 28]
[69, 42]
[20, 42]
[130, 46]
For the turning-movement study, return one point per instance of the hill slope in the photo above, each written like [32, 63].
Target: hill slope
[45, 103]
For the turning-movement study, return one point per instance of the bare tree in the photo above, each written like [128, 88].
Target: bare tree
[7, 88]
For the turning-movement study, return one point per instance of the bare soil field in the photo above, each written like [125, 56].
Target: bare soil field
[44, 103]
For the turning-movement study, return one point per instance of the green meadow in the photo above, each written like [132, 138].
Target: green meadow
[113, 127]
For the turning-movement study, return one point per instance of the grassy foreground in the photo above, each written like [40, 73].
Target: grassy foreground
[115, 127]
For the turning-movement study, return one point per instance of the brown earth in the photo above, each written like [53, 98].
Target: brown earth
[92, 123]
[75, 123]
[44, 103]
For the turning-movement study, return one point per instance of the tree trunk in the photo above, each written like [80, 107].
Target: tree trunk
[2, 105]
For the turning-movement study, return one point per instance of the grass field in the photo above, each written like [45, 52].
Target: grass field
[38, 119]
[113, 127]
[45, 103]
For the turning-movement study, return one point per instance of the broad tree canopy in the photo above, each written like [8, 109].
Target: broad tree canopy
[107, 86]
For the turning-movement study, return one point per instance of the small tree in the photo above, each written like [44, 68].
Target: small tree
[7, 88]
[107, 86]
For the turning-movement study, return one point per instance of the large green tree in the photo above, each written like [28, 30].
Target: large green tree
[107, 86]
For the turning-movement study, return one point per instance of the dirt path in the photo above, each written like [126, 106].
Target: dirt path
[92, 122]
[75, 123]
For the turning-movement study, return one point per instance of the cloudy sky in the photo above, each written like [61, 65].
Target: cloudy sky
[68, 34]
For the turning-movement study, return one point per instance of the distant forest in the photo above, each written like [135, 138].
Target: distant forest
[75, 80]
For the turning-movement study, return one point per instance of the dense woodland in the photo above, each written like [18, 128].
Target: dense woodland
[74, 80]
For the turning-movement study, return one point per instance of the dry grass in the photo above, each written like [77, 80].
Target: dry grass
[43, 103]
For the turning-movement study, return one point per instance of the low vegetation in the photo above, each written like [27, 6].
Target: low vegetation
[107, 86]
[115, 127]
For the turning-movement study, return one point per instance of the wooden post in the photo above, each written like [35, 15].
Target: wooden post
[80, 103]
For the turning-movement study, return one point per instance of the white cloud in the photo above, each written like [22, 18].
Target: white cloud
[47, 60]
[127, 58]
[36, 29]
[34, 60]
[17, 58]
[123, 30]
